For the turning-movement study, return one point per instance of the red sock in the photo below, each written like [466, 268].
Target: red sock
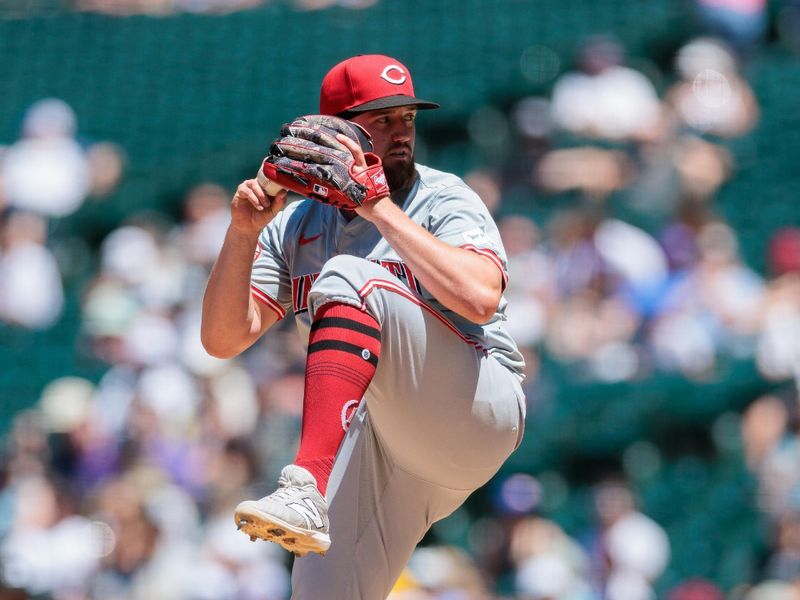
[343, 351]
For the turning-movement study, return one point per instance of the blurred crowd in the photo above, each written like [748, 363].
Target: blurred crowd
[123, 488]
[635, 269]
[213, 7]
[45, 175]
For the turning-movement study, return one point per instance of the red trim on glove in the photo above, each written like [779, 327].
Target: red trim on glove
[373, 178]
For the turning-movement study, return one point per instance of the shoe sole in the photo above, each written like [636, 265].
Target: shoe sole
[260, 525]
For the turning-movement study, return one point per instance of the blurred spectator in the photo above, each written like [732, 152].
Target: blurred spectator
[324, 4]
[637, 260]
[741, 22]
[711, 96]
[773, 590]
[778, 345]
[531, 283]
[595, 321]
[50, 549]
[628, 550]
[604, 103]
[131, 307]
[772, 446]
[231, 568]
[676, 172]
[702, 167]
[784, 252]
[131, 566]
[126, 7]
[578, 265]
[710, 307]
[205, 220]
[783, 563]
[679, 235]
[213, 7]
[106, 165]
[696, 589]
[46, 171]
[216, 7]
[31, 292]
[764, 424]
[529, 138]
[596, 172]
[487, 187]
[84, 450]
[549, 565]
[276, 436]
[27, 449]
[164, 7]
[603, 98]
[778, 351]
[140, 256]
[446, 572]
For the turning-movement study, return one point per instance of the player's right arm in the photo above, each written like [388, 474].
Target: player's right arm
[232, 320]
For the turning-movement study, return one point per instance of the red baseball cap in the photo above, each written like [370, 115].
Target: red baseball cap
[368, 82]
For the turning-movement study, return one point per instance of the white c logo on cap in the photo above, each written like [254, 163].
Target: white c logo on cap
[397, 79]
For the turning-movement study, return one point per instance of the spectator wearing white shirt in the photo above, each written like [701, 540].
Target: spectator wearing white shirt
[31, 291]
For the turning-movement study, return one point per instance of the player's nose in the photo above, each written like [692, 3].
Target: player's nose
[401, 130]
[401, 134]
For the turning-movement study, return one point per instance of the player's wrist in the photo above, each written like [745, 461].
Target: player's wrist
[243, 235]
[378, 210]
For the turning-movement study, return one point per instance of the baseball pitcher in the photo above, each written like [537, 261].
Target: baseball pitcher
[394, 273]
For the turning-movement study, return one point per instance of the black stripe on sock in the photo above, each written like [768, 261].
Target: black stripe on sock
[342, 347]
[345, 323]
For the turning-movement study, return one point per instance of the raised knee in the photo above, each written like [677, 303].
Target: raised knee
[340, 280]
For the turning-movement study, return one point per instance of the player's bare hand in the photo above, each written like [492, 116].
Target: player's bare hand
[355, 150]
[252, 208]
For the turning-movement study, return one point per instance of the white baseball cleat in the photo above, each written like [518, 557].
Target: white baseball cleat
[294, 516]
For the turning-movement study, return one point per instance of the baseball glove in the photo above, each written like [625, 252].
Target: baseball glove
[309, 160]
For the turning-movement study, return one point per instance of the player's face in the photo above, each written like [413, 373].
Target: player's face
[394, 133]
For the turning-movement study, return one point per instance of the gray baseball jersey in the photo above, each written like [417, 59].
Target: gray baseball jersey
[445, 407]
[298, 242]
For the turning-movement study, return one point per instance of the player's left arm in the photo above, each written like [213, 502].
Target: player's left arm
[466, 282]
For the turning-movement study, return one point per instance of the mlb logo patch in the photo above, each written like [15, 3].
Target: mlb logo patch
[320, 190]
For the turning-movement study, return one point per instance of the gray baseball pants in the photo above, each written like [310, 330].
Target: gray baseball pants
[438, 420]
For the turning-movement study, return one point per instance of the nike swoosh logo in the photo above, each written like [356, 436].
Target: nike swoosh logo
[307, 240]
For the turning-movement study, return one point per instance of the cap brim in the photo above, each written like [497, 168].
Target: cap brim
[391, 102]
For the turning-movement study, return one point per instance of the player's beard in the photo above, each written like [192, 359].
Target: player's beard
[399, 174]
